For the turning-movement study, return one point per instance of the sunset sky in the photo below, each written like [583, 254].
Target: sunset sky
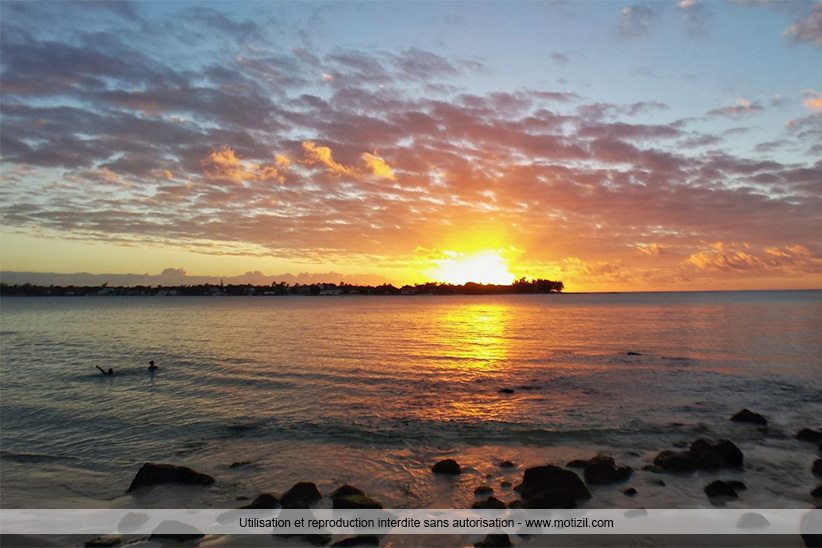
[611, 145]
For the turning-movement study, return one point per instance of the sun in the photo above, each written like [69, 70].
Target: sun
[483, 268]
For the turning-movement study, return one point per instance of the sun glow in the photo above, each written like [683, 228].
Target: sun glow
[484, 268]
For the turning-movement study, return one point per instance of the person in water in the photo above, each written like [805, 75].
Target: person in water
[104, 372]
[152, 367]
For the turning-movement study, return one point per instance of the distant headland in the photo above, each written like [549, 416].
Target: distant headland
[520, 286]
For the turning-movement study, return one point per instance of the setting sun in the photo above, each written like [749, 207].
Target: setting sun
[485, 268]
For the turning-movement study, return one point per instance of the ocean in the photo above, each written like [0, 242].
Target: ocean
[262, 392]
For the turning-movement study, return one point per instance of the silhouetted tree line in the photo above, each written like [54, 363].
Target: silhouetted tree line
[281, 289]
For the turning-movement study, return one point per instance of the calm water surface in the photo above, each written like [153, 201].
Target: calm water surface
[373, 390]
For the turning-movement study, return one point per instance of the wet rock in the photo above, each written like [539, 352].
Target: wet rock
[551, 499]
[345, 491]
[577, 463]
[817, 493]
[516, 504]
[446, 466]
[506, 390]
[719, 488]
[241, 497]
[104, 541]
[497, 540]
[633, 354]
[506, 464]
[746, 415]
[630, 492]
[176, 530]
[551, 487]
[265, 501]
[817, 467]
[604, 473]
[301, 496]
[659, 482]
[356, 502]
[483, 490]
[806, 434]
[702, 455]
[359, 540]
[736, 485]
[492, 503]
[652, 468]
[154, 474]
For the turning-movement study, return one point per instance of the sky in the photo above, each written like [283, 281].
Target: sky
[616, 146]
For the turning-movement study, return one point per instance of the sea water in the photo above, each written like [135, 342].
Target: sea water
[262, 392]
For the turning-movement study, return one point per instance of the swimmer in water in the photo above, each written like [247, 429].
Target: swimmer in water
[104, 372]
[152, 367]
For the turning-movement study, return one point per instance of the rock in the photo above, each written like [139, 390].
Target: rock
[239, 463]
[736, 485]
[652, 468]
[577, 463]
[506, 464]
[359, 540]
[154, 474]
[483, 490]
[492, 503]
[241, 497]
[630, 492]
[176, 530]
[806, 434]
[132, 521]
[749, 416]
[104, 541]
[345, 491]
[603, 473]
[516, 504]
[552, 478]
[447, 466]
[497, 540]
[702, 455]
[265, 501]
[817, 467]
[505, 484]
[817, 493]
[355, 502]
[708, 455]
[301, 496]
[633, 354]
[506, 390]
[719, 488]
[657, 482]
[551, 499]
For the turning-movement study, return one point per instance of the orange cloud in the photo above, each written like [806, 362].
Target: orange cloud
[224, 164]
[378, 166]
[322, 155]
[813, 103]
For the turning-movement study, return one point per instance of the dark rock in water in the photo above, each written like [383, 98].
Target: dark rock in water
[702, 455]
[603, 473]
[345, 491]
[498, 540]
[736, 485]
[652, 468]
[817, 467]
[301, 496]
[812, 521]
[659, 482]
[719, 488]
[176, 530]
[630, 492]
[493, 503]
[241, 497]
[265, 501]
[633, 354]
[359, 540]
[483, 490]
[104, 541]
[551, 499]
[806, 434]
[356, 502]
[506, 390]
[752, 520]
[708, 455]
[552, 478]
[746, 415]
[154, 474]
[674, 461]
[239, 463]
[447, 466]
[681, 443]
[506, 464]
[577, 463]
[316, 539]
[817, 493]
[516, 504]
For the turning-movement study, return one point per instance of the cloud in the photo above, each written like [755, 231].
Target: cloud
[787, 260]
[807, 29]
[322, 155]
[560, 58]
[813, 101]
[695, 16]
[743, 107]
[636, 21]
[223, 164]
[378, 166]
